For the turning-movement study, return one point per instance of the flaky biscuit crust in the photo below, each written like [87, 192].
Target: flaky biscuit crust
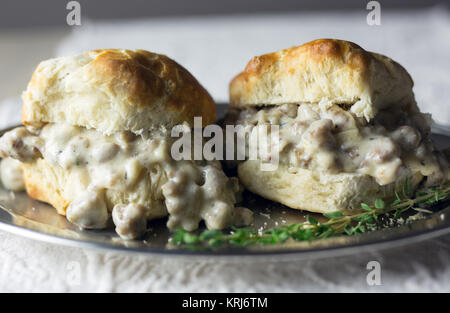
[316, 191]
[115, 90]
[323, 70]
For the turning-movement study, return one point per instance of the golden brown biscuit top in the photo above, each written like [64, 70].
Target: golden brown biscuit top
[323, 70]
[114, 90]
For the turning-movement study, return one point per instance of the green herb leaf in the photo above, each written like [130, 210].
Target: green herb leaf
[379, 204]
[406, 188]
[210, 234]
[366, 207]
[335, 214]
[189, 238]
[366, 218]
[312, 220]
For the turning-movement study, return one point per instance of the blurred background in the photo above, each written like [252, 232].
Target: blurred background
[215, 39]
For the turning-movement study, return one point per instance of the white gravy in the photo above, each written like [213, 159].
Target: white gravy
[193, 191]
[331, 139]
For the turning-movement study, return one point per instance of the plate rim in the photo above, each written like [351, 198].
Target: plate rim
[408, 237]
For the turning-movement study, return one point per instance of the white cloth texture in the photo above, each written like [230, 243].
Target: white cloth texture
[214, 49]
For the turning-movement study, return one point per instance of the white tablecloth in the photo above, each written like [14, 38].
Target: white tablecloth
[215, 49]
[28, 265]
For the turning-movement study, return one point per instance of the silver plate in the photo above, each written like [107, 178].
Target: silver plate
[21, 215]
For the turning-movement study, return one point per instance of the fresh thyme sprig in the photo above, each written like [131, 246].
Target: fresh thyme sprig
[337, 224]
